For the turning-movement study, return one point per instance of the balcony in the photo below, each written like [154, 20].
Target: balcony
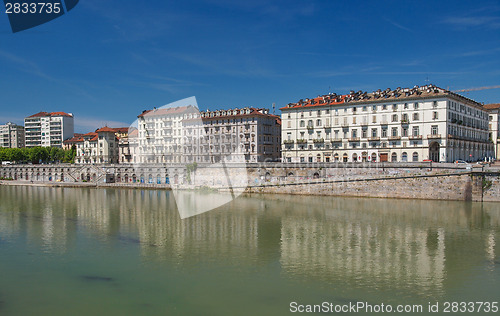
[326, 126]
[318, 140]
[288, 141]
[394, 137]
[354, 139]
[434, 136]
[415, 137]
[344, 124]
[301, 141]
[336, 140]
[405, 122]
[310, 127]
[383, 122]
[373, 138]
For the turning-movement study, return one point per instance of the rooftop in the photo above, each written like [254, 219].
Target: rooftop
[387, 95]
[45, 114]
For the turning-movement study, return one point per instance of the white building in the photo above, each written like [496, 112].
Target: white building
[494, 126]
[11, 135]
[48, 129]
[184, 135]
[100, 146]
[411, 124]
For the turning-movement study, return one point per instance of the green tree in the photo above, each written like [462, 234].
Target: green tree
[15, 154]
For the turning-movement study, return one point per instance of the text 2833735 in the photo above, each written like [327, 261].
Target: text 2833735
[32, 8]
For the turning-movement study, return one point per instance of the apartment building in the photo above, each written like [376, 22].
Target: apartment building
[184, 135]
[100, 146]
[405, 124]
[494, 125]
[48, 129]
[12, 136]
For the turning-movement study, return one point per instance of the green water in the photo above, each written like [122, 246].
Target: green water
[67, 251]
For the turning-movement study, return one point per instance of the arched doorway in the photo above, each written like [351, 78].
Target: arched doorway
[434, 151]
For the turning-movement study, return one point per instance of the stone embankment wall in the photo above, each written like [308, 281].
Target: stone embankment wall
[394, 180]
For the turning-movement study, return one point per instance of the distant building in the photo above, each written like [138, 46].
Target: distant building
[494, 126]
[12, 136]
[48, 129]
[98, 147]
[184, 135]
[68, 143]
[410, 124]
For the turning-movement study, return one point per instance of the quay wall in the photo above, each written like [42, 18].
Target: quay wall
[389, 180]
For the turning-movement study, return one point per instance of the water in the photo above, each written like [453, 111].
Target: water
[66, 251]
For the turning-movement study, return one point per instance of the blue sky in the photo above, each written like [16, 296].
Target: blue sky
[107, 60]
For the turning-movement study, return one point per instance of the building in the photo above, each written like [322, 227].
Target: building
[410, 124]
[494, 124]
[184, 135]
[100, 146]
[48, 129]
[12, 136]
[68, 143]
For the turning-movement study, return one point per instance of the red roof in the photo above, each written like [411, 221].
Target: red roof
[492, 106]
[45, 114]
[105, 129]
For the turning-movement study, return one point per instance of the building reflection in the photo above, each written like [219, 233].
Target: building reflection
[402, 244]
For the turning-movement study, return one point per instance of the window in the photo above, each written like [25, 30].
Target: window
[289, 124]
[395, 118]
[415, 116]
[354, 133]
[394, 132]
[353, 120]
[406, 106]
[364, 108]
[434, 129]
[405, 132]
[435, 103]
[310, 123]
[288, 116]
[289, 136]
[374, 132]
[384, 132]
[404, 118]
[415, 156]
[364, 133]
[318, 122]
[404, 157]
[374, 108]
[394, 107]
[302, 124]
[415, 105]
[328, 111]
[434, 115]
[319, 112]
[301, 114]
[384, 107]
[416, 131]
[374, 119]
[354, 109]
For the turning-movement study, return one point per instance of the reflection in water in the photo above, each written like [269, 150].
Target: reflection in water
[420, 247]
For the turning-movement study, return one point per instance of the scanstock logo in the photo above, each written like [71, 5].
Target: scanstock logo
[26, 14]
[204, 169]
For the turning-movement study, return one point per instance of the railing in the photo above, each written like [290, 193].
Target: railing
[434, 136]
[354, 139]
[394, 137]
[318, 140]
[415, 136]
[373, 138]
